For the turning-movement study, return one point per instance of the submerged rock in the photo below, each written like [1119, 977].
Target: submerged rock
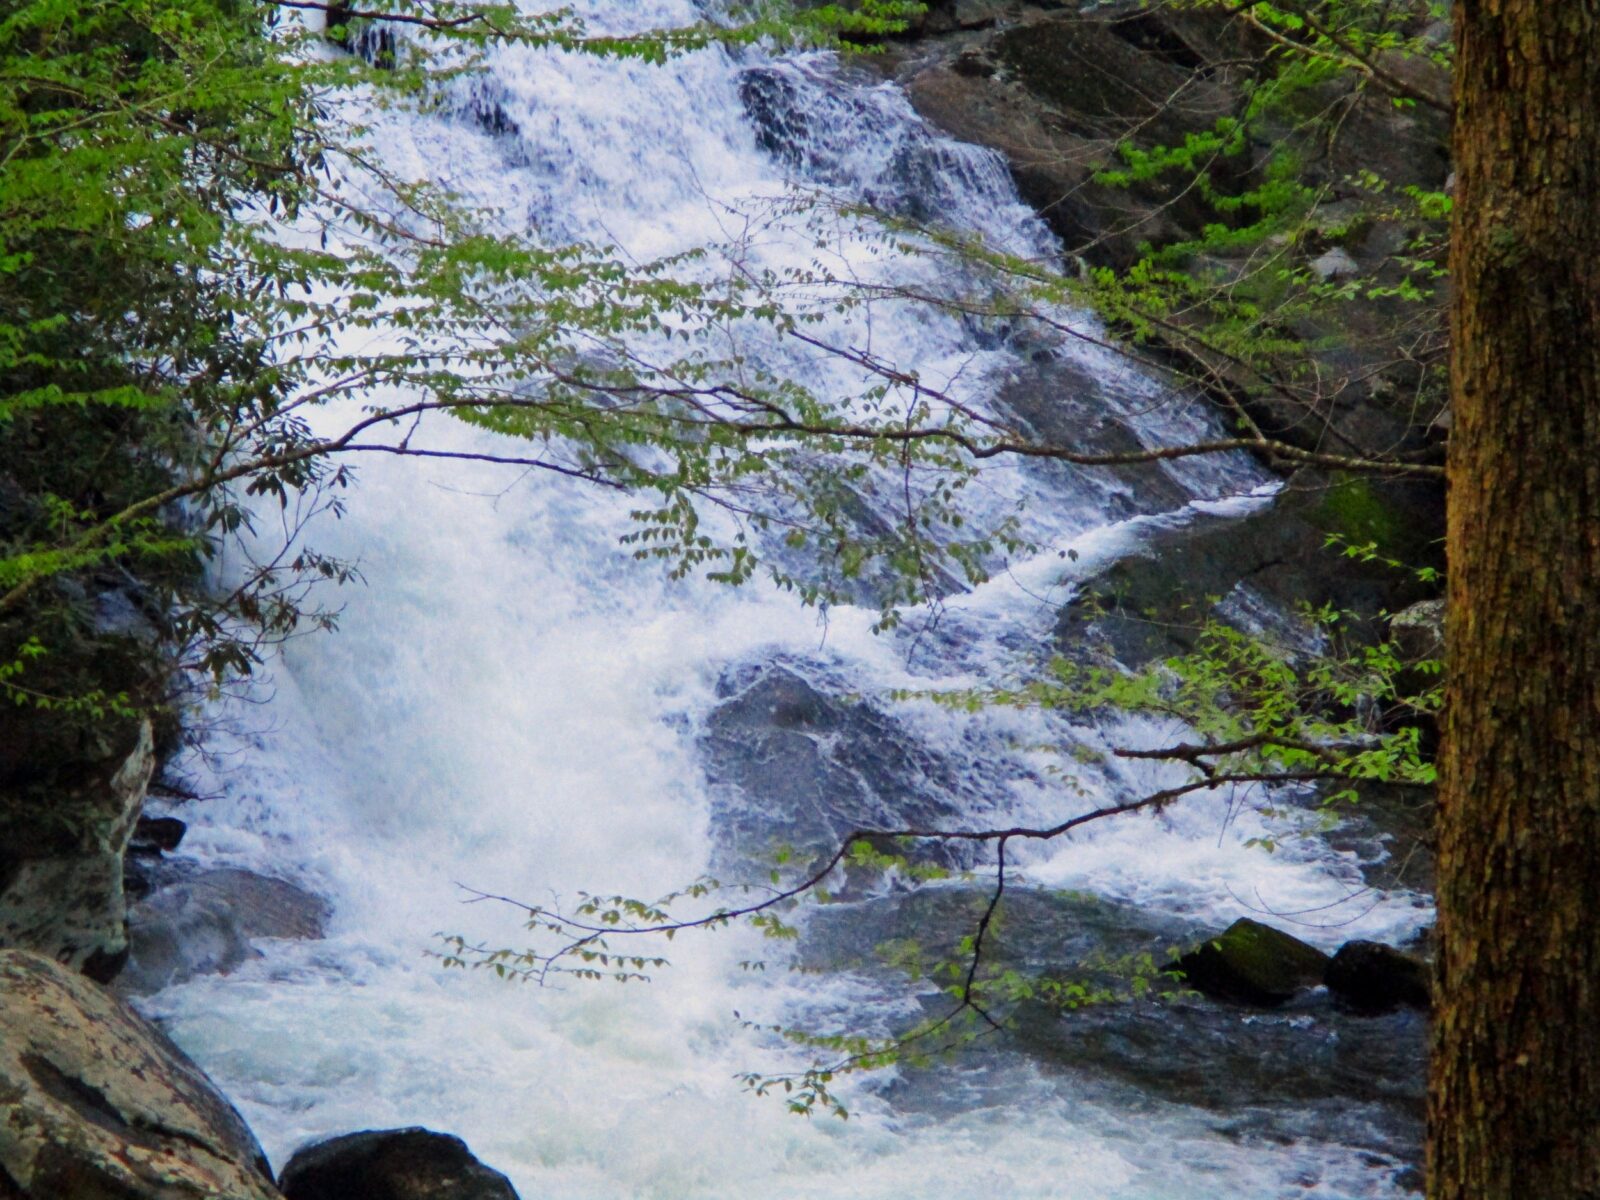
[392, 1164]
[1370, 977]
[1252, 963]
[200, 923]
[1305, 1072]
[99, 1105]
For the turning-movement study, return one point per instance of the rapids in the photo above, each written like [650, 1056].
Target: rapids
[513, 704]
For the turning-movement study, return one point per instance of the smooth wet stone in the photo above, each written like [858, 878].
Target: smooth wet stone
[201, 923]
[392, 1164]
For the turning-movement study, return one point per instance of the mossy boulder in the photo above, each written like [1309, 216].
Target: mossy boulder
[1252, 963]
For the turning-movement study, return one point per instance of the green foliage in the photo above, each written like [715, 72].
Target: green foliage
[1340, 716]
[1241, 303]
[163, 338]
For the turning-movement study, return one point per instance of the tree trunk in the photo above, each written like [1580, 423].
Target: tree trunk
[1515, 1087]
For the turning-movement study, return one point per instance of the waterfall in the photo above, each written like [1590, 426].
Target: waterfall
[514, 705]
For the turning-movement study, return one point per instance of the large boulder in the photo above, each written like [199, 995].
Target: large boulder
[1252, 963]
[797, 764]
[1369, 977]
[204, 922]
[392, 1164]
[99, 1105]
[61, 861]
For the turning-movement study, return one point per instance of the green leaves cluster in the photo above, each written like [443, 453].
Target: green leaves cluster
[1243, 303]
[197, 245]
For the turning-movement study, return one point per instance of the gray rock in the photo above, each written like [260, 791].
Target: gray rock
[1250, 572]
[1061, 403]
[62, 896]
[99, 1105]
[200, 923]
[1252, 963]
[791, 765]
[1069, 935]
[392, 1164]
[1335, 264]
[1308, 1071]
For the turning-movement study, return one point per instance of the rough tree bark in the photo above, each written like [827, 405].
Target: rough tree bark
[1515, 1087]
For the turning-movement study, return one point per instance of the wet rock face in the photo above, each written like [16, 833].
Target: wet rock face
[99, 1105]
[392, 1164]
[1055, 89]
[1252, 963]
[1036, 932]
[791, 765]
[202, 922]
[1062, 403]
[1251, 572]
[61, 891]
[1059, 88]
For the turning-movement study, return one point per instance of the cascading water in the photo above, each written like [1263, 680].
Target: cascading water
[514, 705]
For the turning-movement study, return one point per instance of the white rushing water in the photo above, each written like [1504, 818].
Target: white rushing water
[513, 704]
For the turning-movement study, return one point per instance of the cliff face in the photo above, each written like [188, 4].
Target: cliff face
[61, 867]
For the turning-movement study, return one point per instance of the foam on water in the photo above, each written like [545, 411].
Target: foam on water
[512, 704]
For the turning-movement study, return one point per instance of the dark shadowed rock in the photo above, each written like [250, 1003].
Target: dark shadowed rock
[1418, 630]
[1307, 1071]
[1370, 977]
[97, 1104]
[157, 835]
[199, 923]
[392, 1164]
[1252, 963]
[1249, 571]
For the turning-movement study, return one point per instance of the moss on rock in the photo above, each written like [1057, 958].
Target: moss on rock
[1252, 963]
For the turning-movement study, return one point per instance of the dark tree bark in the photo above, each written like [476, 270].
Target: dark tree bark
[1515, 1087]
